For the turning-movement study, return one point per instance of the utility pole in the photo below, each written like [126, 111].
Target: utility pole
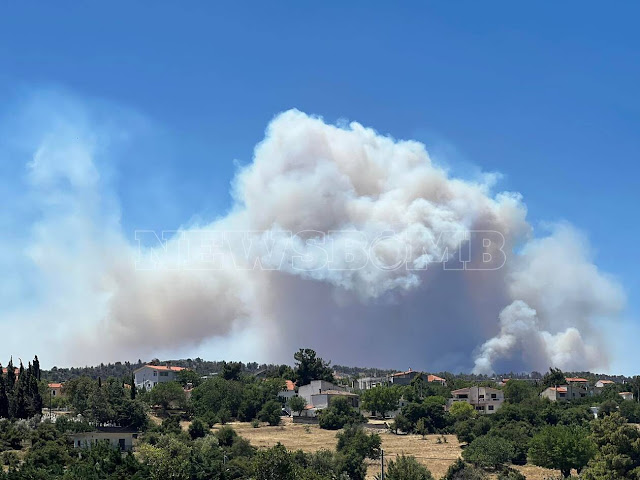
[381, 464]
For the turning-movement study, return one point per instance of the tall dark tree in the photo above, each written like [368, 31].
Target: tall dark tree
[310, 367]
[553, 377]
[36, 368]
[18, 407]
[231, 370]
[133, 387]
[11, 375]
[4, 398]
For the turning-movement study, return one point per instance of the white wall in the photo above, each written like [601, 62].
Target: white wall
[149, 377]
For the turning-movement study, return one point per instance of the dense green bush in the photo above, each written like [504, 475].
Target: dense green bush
[339, 414]
[489, 452]
[407, 468]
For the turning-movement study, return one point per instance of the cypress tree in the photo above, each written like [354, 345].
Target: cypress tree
[4, 399]
[133, 387]
[11, 375]
[33, 397]
[19, 404]
[36, 368]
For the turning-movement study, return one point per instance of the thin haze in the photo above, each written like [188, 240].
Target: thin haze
[339, 186]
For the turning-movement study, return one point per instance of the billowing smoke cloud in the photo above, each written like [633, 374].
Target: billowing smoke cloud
[339, 238]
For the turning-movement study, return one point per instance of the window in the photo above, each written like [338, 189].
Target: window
[53, 393]
[155, 374]
[481, 397]
[164, 374]
[490, 407]
[463, 395]
[494, 396]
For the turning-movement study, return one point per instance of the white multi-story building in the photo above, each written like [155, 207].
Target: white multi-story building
[483, 399]
[151, 375]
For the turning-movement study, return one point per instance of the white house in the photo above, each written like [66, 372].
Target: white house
[366, 383]
[316, 387]
[483, 399]
[289, 390]
[603, 383]
[574, 388]
[318, 395]
[626, 395]
[117, 437]
[149, 376]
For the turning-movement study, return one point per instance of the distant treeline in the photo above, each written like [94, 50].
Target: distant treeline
[205, 367]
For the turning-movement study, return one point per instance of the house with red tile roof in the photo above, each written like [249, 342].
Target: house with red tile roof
[289, 390]
[436, 379]
[483, 399]
[575, 388]
[55, 389]
[148, 376]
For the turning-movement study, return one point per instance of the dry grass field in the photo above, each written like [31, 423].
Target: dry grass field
[310, 438]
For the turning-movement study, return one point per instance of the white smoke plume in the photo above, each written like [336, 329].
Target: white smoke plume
[316, 196]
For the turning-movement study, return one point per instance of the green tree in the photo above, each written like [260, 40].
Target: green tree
[519, 433]
[461, 411]
[4, 398]
[297, 404]
[166, 394]
[431, 409]
[134, 390]
[400, 424]
[421, 428]
[461, 470]
[488, 452]
[275, 463]
[168, 459]
[561, 447]
[553, 377]
[310, 367]
[380, 399]
[188, 377]
[354, 445]
[630, 410]
[271, 412]
[468, 430]
[338, 414]
[607, 408]
[231, 370]
[618, 449]
[517, 391]
[407, 468]
[197, 429]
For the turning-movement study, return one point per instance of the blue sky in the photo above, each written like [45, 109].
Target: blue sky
[545, 94]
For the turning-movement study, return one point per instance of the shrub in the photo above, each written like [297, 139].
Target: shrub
[339, 414]
[461, 470]
[407, 468]
[226, 436]
[197, 429]
[271, 412]
[488, 452]
[511, 474]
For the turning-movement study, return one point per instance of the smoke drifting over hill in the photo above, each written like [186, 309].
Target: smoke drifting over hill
[339, 238]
